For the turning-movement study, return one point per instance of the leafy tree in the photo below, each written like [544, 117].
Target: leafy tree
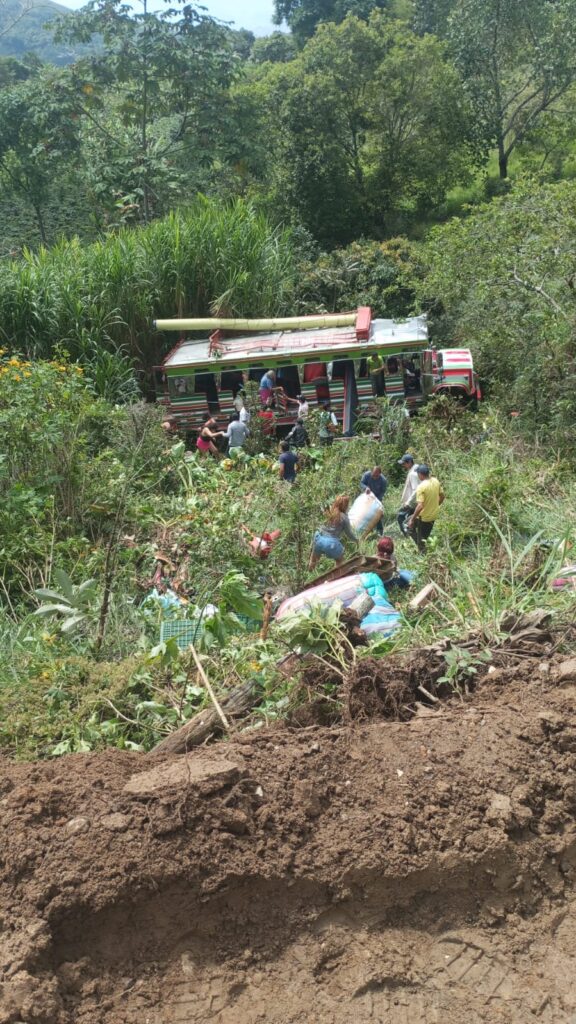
[304, 16]
[518, 58]
[152, 99]
[13, 71]
[502, 281]
[275, 49]
[357, 146]
[38, 138]
[547, 150]
[432, 16]
[365, 273]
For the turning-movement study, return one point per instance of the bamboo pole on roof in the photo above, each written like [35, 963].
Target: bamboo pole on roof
[285, 323]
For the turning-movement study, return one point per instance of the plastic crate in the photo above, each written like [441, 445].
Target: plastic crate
[183, 631]
[190, 631]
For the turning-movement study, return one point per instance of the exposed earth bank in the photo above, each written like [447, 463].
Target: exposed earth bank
[406, 873]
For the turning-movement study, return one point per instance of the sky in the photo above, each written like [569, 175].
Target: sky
[255, 15]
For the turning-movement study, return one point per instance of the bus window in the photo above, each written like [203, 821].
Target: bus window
[288, 379]
[180, 387]
[339, 367]
[315, 372]
[231, 380]
[205, 383]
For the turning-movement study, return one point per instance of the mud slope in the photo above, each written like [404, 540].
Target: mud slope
[397, 873]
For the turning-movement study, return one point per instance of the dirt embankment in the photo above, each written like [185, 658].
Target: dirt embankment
[405, 873]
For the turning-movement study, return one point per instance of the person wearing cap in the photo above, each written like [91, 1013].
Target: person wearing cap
[374, 482]
[429, 497]
[408, 498]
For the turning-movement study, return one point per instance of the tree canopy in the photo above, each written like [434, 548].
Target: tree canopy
[353, 145]
[502, 281]
[304, 16]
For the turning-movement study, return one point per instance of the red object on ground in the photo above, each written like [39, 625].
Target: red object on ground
[262, 546]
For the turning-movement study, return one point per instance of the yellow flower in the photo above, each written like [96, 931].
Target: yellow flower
[17, 377]
[26, 373]
[13, 361]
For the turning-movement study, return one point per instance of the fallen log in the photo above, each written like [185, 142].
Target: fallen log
[207, 723]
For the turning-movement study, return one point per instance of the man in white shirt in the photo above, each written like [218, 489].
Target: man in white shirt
[408, 498]
[302, 404]
[241, 407]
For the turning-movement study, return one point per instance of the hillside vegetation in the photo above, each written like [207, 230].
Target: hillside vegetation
[411, 156]
[25, 30]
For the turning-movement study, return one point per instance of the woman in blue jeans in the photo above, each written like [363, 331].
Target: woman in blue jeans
[327, 539]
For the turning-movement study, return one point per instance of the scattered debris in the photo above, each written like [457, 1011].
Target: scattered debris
[423, 597]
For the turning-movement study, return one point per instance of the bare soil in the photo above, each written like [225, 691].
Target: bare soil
[401, 872]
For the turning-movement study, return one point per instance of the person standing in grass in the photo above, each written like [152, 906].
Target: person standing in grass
[205, 440]
[408, 498]
[288, 463]
[374, 482]
[327, 540]
[237, 432]
[298, 436]
[429, 497]
[328, 425]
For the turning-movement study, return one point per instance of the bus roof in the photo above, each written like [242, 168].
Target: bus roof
[290, 346]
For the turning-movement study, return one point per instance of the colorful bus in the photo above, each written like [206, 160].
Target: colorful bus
[346, 359]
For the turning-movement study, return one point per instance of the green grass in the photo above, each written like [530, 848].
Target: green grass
[493, 549]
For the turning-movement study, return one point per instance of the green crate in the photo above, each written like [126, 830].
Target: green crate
[190, 631]
[183, 631]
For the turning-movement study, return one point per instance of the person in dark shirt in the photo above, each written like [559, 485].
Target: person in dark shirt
[298, 436]
[288, 462]
[374, 482]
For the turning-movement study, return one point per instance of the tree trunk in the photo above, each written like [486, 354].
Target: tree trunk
[207, 723]
[502, 159]
[40, 223]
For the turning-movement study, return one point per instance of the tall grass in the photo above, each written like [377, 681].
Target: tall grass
[211, 257]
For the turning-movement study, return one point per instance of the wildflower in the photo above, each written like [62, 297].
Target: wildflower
[26, 373]
[13, 361]
[17, 377]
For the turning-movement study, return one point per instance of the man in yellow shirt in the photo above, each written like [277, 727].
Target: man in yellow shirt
[429, 497]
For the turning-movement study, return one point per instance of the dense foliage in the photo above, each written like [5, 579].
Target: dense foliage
[518, 310]
[93, 495]
[180, 167]
[88, 299]
[361, 121]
